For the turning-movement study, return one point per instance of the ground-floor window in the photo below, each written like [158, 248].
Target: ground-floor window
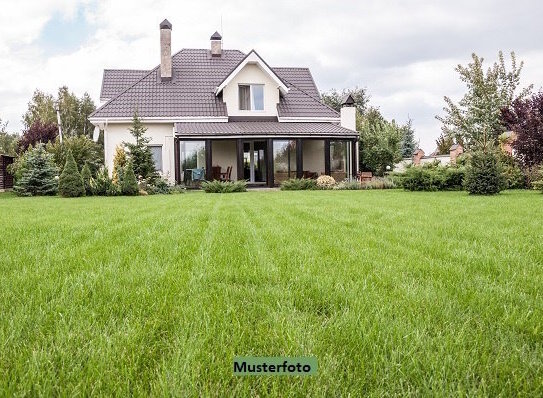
[193, 159]
[156, 151]
[284, 160]
[339, 159]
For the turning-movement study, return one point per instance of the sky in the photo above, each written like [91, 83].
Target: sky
[403, 52]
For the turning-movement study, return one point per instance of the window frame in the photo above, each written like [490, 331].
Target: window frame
[161, 168]
[251, 97]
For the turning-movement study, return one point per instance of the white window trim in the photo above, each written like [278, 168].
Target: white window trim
[161, 169]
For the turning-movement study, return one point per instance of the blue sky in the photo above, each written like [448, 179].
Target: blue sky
[404, 53]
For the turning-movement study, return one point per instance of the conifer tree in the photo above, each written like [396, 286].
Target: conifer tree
[37, 173]
[119, 163]
[129, 184]
[140, 154]
[86, 176]
[70, 184]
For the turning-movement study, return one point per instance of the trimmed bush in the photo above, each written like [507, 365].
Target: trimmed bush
[70, 184]
[484, 174]
[432, 178]
[326, 182]
[160, 186]
[224, 186]
[87, 178]
[36, 173]
[375, 183]
[298, 184]
[129, 183]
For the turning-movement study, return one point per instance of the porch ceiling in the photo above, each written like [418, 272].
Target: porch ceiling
[263, 128]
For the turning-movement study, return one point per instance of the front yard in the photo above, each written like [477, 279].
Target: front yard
[393, 292]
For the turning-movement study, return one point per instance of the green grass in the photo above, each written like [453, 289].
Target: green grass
[395, 293]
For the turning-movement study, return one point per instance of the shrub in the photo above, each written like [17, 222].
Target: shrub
[129, 183]
[87, 178]
[83, 149]
[348, 186]
[102, 184]
[36, 174]
[158, 186]
[37, 133]
[432, 178]
[325, 182]
[70, 184]
[224, 186]
[378, 183]
[298, 184]
[538, 183]
[484, 174]
[119, 162]
[512, 173]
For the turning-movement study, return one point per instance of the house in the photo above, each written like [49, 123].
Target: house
[217, 113]
[420, 158]
[6, 179]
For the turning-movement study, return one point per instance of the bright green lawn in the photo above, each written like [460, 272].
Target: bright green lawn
[395, 293]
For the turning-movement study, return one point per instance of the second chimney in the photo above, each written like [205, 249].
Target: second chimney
[216, 45]
[165, 50]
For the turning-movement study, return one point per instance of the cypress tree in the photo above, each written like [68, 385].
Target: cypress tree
[70, 184]
[130, 184]
[86, 176]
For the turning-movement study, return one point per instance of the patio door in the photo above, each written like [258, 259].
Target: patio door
[254, 161]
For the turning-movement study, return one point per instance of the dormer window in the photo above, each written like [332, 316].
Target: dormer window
[251, 97]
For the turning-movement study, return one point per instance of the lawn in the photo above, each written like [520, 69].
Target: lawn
[394, 293]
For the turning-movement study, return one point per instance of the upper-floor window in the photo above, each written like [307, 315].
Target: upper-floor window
[251, 97]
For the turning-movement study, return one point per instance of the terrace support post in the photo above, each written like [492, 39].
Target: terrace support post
[209, 170]
[269, 162]
[239, 159]
[327, 157]
[176, 160]
[354, 158]
[299, 159]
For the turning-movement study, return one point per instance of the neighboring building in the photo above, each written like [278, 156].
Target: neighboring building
[215, 113]
[419, 158]
[6, 179]
[506, 142]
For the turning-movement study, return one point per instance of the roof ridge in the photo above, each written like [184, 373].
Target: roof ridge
[128, 88]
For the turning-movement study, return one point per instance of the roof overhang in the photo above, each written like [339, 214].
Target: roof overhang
[263, 129]
[253, 59]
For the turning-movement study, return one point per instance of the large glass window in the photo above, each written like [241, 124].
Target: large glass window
[156, 151]
[193, 160]
[284, 160]
[339, 159]
[251, 97]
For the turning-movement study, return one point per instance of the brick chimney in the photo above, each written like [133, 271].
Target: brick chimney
[417, 156]
[165, 50]
[455, 151]
[216, 45]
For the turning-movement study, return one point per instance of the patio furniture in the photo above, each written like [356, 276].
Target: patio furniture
[198, 174]
[216, 173]
[364, 176]
[226, 176]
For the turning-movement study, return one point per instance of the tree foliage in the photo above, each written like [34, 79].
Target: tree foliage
[119, 162]
[333, 98]
[83, 149]
[38, 132]
[36, 173]
[8, 142]
[140, 154]
[525, 118]
[74, 111]
[480, 109]
[408, 144]
[70, 184]
[380, 142]
[444, 144]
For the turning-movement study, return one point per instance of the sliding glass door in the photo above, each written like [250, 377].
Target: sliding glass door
[254, 161]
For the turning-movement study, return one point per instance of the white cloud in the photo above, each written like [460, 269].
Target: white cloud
[403, 52]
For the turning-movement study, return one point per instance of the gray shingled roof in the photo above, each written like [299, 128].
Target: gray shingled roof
[248, 128]
[117, 80]
[190, 93]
